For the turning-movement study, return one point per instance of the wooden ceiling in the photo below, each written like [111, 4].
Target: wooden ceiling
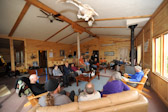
[19, 19]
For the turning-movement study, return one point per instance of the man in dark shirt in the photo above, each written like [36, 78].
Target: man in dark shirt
[34, 86]
[68, 72]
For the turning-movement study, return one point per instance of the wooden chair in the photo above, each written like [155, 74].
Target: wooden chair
[141, 84]
[33, 100]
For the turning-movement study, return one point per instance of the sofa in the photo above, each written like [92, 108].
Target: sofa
[127, 101]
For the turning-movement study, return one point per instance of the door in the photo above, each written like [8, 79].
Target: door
[96, 54]
[43, 59]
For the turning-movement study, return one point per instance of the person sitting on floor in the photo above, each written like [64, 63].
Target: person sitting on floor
[34, 86]
[114, 85]
[75, 69]
[54, 98]
[134, 78]
[57, 71]
[89, 93]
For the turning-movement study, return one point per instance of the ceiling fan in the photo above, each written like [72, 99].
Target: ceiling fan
[50, 16]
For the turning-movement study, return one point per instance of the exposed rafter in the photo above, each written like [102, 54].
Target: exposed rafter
[120, 18]
[111, 27]
[75, 26]
[57, 32]
[19, 19]
[66, 37]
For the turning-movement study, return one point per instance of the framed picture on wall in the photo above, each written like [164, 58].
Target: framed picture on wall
[109, 53]
[62, 53]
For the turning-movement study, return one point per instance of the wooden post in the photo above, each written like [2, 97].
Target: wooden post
[25, 48]
[78, 46]
[12, 55]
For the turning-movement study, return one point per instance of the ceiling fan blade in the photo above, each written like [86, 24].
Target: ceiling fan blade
[42, 17]
[58, 19]
[57, 15]
[44, 12]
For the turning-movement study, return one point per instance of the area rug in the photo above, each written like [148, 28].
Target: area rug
[4, 90]
[98, 84]
[107, 74]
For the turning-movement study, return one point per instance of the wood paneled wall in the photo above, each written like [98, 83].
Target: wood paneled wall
[96, 44]
[157, 25]
[5, 52]
[33, 46]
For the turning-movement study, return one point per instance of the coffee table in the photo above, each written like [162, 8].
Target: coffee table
[81, 77]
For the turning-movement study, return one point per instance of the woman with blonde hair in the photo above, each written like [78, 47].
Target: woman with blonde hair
[54, 97]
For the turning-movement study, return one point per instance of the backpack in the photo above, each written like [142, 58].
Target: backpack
[22, 88]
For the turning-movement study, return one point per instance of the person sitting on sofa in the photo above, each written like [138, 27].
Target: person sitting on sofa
[134, 78]
[82, 65]
[68, 72]
[89, 93]
[75, 69]
[114, 85]
[57, 71]
[34, 86]
[54, 96]
[95, 64]
[87, 65]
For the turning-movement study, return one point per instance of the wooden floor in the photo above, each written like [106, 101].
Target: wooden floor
[12, 103]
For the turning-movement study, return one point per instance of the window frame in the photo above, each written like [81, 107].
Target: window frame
[162, 62]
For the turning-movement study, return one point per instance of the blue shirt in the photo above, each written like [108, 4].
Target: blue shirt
[114, 86]
[136, 77]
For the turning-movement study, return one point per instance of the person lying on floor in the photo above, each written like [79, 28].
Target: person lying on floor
[35, 86]
[114, 85]
[55, 97]
[134, 78]
[89, 93]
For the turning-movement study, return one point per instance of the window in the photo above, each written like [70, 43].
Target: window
[160, 53]
[166, 55]
[139, 52]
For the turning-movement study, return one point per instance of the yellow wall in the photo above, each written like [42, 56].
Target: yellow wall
[158, 24]
[33, 46]
[96, 44]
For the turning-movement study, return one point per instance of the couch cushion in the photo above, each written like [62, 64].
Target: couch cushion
[93, 104]
[71, 107]
[140, 105]
[123, 97]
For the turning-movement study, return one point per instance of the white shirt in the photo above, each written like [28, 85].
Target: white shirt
[85, 97]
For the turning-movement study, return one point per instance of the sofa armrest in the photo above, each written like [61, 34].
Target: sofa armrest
[132, 82]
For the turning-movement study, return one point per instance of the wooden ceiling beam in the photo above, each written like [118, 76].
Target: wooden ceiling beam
[57, 32]
[19, 19]
[112, 27]
[44, 7]
[66, 37]
[121, 18]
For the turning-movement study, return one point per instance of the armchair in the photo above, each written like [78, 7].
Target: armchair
[23, 88]
[141, 84]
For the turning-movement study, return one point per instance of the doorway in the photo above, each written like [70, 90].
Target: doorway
[96, 54]
[43, 59]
